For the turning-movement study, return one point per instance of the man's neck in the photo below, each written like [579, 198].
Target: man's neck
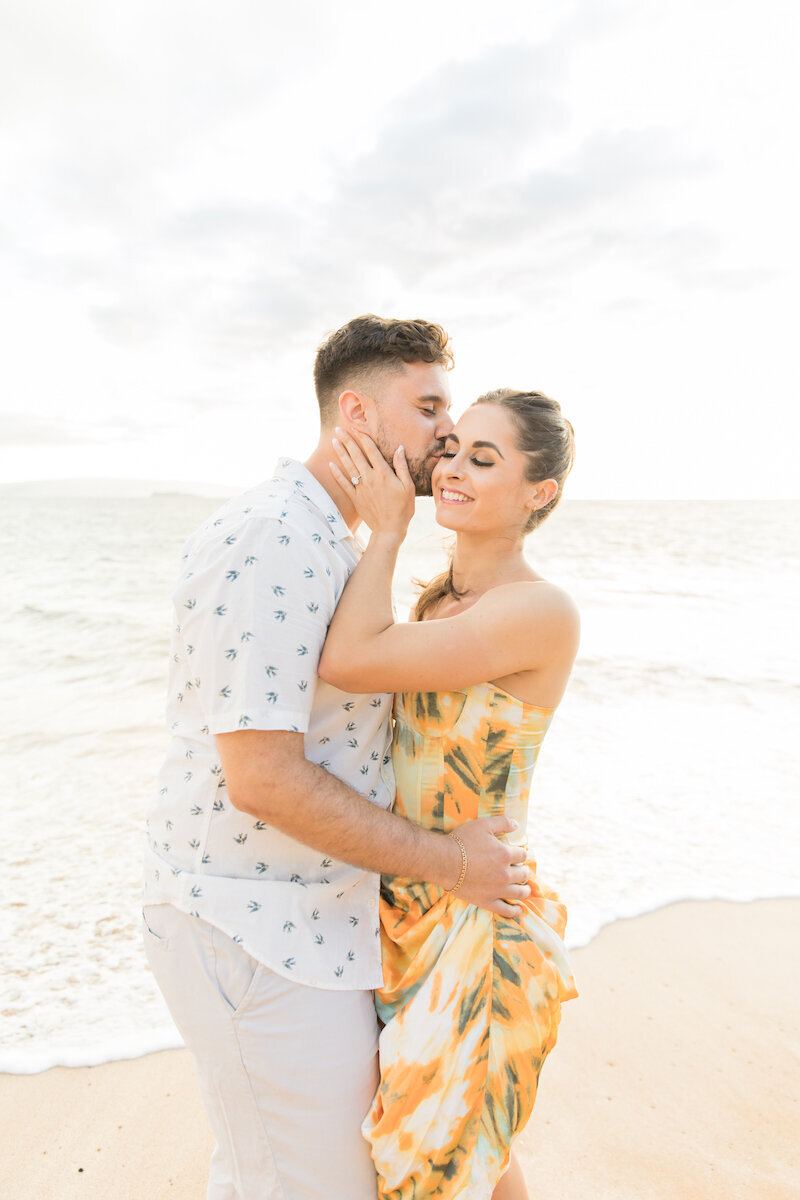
[317, 464]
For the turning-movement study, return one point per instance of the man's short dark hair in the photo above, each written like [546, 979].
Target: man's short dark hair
[371, 343]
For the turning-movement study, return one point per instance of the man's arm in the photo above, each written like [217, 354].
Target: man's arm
[269, 777]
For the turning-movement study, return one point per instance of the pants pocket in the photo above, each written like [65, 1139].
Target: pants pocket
[155, 926]
[235, 970]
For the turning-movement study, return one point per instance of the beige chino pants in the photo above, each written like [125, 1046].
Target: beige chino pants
[287, 1072]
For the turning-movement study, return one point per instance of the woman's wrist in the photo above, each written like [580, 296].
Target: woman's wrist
[464, 862]
[452, 871]
[389, 540]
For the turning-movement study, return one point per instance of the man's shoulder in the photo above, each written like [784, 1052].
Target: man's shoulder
[251, 514]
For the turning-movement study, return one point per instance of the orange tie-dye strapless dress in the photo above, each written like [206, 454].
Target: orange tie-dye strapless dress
[471, 1001]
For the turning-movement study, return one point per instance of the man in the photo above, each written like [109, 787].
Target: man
[271, 818]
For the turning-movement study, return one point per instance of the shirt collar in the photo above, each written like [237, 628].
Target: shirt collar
[311, 489]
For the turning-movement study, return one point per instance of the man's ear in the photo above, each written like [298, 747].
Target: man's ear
[356, 411]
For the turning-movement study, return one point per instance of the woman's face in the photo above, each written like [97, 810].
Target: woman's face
[479, 482]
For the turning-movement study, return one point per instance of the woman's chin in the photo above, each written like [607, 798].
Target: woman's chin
[450, 518]
[445, 524]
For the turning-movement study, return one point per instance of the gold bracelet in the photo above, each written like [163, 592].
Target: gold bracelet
[463, 850]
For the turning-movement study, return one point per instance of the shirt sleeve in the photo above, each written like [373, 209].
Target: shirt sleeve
[254, 606]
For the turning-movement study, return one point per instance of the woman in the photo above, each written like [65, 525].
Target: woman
[471, 998]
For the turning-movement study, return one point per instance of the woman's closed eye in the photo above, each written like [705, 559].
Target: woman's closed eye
[476, 462]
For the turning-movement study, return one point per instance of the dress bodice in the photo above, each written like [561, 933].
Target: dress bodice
[465, 754]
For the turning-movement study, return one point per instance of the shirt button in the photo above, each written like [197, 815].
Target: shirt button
[371, 903]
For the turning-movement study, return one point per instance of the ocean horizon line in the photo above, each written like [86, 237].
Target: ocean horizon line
[133, 488]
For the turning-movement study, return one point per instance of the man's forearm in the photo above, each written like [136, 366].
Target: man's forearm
[314, 807]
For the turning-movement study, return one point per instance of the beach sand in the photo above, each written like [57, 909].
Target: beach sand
[675, 1078]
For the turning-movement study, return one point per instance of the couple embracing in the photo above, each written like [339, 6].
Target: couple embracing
[340, 905]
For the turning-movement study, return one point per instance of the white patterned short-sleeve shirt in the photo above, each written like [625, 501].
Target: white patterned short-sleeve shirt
[258, 587]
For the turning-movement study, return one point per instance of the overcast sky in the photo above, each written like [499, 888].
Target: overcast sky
[596, 199]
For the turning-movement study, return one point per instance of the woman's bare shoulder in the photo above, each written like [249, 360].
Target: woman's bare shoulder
[532, 597]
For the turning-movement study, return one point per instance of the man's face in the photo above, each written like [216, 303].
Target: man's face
[412, 410]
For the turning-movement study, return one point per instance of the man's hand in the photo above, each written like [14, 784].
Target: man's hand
[496, 872]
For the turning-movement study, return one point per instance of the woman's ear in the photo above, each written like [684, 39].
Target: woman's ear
[542, 494]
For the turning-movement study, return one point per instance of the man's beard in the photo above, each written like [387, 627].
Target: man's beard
[420, 469]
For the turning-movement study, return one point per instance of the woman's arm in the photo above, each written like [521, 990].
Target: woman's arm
[385, 502]
[515, 627]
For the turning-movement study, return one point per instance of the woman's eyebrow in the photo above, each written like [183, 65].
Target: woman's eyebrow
[453, 437]
[490, 446]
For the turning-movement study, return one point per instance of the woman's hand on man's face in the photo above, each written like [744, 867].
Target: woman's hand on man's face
[382, 497]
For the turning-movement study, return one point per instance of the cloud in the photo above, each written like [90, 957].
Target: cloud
[470, 122]
[127, 324]
[24, 429]
[474, 164]
[459, 138]
[20, 429]
[476, 160]
[202, 192]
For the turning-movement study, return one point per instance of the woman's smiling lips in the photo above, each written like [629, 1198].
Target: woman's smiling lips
[450, 496]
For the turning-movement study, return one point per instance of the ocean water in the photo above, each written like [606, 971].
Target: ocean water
[670, 770]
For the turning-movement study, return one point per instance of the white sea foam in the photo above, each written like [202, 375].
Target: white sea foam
[670, 770]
